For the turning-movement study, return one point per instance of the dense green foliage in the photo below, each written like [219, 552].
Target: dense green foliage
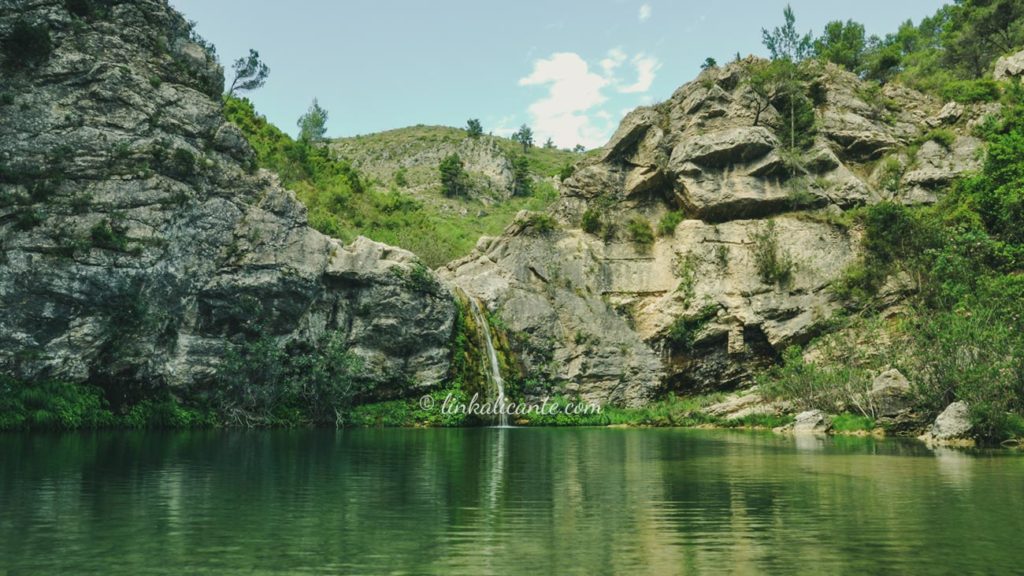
[946, 53]
[26, 45]
[313, 124]
[454, 180]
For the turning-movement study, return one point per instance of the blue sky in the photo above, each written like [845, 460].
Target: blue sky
[570, 69]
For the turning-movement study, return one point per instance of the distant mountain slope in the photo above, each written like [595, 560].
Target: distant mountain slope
[416, 152]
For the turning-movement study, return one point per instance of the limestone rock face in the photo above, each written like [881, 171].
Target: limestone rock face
[136, 241]
[1009, 67]
[701, 306]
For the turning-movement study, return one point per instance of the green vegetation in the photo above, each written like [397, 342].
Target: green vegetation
[846, 423]
[775, 265]
[640, 232]
[524, 136]
[250, 74]
[27, 45]
[540, 223]
[683, 333]
[313, 124]
[842, 43]
[668, 223]
[345, 203]
[109, 234]
[809, 386]
[454, 180]
[474, 129]
[963, 335]
[942, 136]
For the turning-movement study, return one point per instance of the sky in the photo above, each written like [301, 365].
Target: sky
[570, 69]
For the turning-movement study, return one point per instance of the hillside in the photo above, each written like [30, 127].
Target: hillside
[387, 186]
[417, 151]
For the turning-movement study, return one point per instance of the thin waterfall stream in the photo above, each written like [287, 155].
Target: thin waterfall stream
[493, 367]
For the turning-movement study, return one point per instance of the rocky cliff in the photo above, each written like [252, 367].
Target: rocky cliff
[752, 237]
[138, 242]
[136, 238]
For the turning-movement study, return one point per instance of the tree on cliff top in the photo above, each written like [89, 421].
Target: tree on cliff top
[250, 73]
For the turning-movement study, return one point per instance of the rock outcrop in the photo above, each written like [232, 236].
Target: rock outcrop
[614, 316]
[137, 242]
[1010, 67]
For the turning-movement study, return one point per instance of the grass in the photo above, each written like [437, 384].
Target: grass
[847, 423]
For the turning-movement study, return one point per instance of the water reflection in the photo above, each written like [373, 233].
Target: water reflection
[501, 501]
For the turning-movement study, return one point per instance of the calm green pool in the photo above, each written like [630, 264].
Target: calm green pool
[490, 501]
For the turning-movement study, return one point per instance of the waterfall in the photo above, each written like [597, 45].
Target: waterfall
[494, 369]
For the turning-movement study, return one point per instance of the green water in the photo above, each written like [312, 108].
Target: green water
[488, 501]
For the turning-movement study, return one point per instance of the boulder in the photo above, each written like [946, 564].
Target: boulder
[1009, 67]
[808, 422]
[951, 428]
[890, 393]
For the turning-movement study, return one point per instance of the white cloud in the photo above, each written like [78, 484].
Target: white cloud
[646, 68]
[645, 13]
[573, 91]
[614, 59]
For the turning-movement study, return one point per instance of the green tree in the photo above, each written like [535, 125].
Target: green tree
[524, 136]
[979, 31]
[522, 182]
[250, 73]
[785, 43]
[709, 63]
[579, 149]
[549, 144]
[842, 43]
[313, 124]
[474, 128]
[454, 180]
[779, 83]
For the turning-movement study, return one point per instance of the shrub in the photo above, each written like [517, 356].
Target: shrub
[182, 164]
[668, 223]
[6, 99]
[890, 175]
[566, 172]
[682, 334]
[27, 45]
[262, 383]
[942, 136]
[591, 222]
[640, 232]
[51, 405]
[28, 218]
[972, 91]
[539, 223]
[401, 178]
[808, 386]
[109, 235]
[774, 264]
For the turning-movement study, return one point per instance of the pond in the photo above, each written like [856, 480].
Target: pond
[502, 501]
